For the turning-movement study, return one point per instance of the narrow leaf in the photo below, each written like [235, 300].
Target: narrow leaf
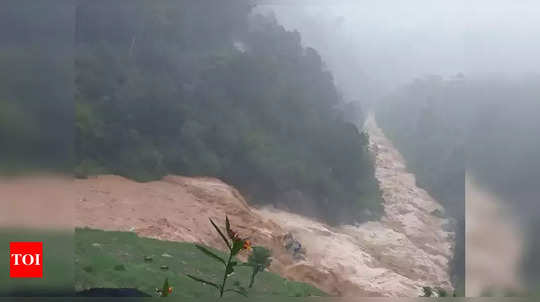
[221, 234]
[210, 254]
[165, 288]
[228, 226]
[203, 281]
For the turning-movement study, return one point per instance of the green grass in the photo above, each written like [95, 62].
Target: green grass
[101, 254]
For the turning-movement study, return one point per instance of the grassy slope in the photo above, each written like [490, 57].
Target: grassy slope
[99, 252]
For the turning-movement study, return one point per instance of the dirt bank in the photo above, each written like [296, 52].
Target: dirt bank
[175, 208]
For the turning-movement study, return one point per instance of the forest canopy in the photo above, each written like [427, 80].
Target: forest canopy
[233, 95]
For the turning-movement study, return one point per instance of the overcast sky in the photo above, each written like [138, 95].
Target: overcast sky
[386, 43]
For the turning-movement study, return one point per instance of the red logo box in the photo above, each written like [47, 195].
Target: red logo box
[26, 259]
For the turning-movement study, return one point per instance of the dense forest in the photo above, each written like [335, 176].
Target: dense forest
[233, 95]
[485, 126]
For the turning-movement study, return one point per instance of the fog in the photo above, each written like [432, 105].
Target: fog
[384, 44]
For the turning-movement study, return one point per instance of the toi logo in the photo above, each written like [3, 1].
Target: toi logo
[26, 259]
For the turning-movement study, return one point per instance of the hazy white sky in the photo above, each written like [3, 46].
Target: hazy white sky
[389, 42]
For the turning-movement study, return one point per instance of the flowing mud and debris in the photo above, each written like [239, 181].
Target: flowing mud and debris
[408, 248]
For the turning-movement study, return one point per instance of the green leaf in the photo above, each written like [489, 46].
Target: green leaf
[260, 257]
[221, 233]
[203, 281]
[165, 289]
[210, 254]
[238, 244]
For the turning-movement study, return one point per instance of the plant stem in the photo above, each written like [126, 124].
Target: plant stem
[225, 275]
[253, 274]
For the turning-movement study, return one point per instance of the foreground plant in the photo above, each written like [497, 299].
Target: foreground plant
[259, 260]
[165, 290]
[235, 244]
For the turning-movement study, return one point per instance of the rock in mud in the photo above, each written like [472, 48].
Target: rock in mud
[294, 247]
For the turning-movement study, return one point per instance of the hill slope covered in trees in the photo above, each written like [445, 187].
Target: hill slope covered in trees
[232, 95]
